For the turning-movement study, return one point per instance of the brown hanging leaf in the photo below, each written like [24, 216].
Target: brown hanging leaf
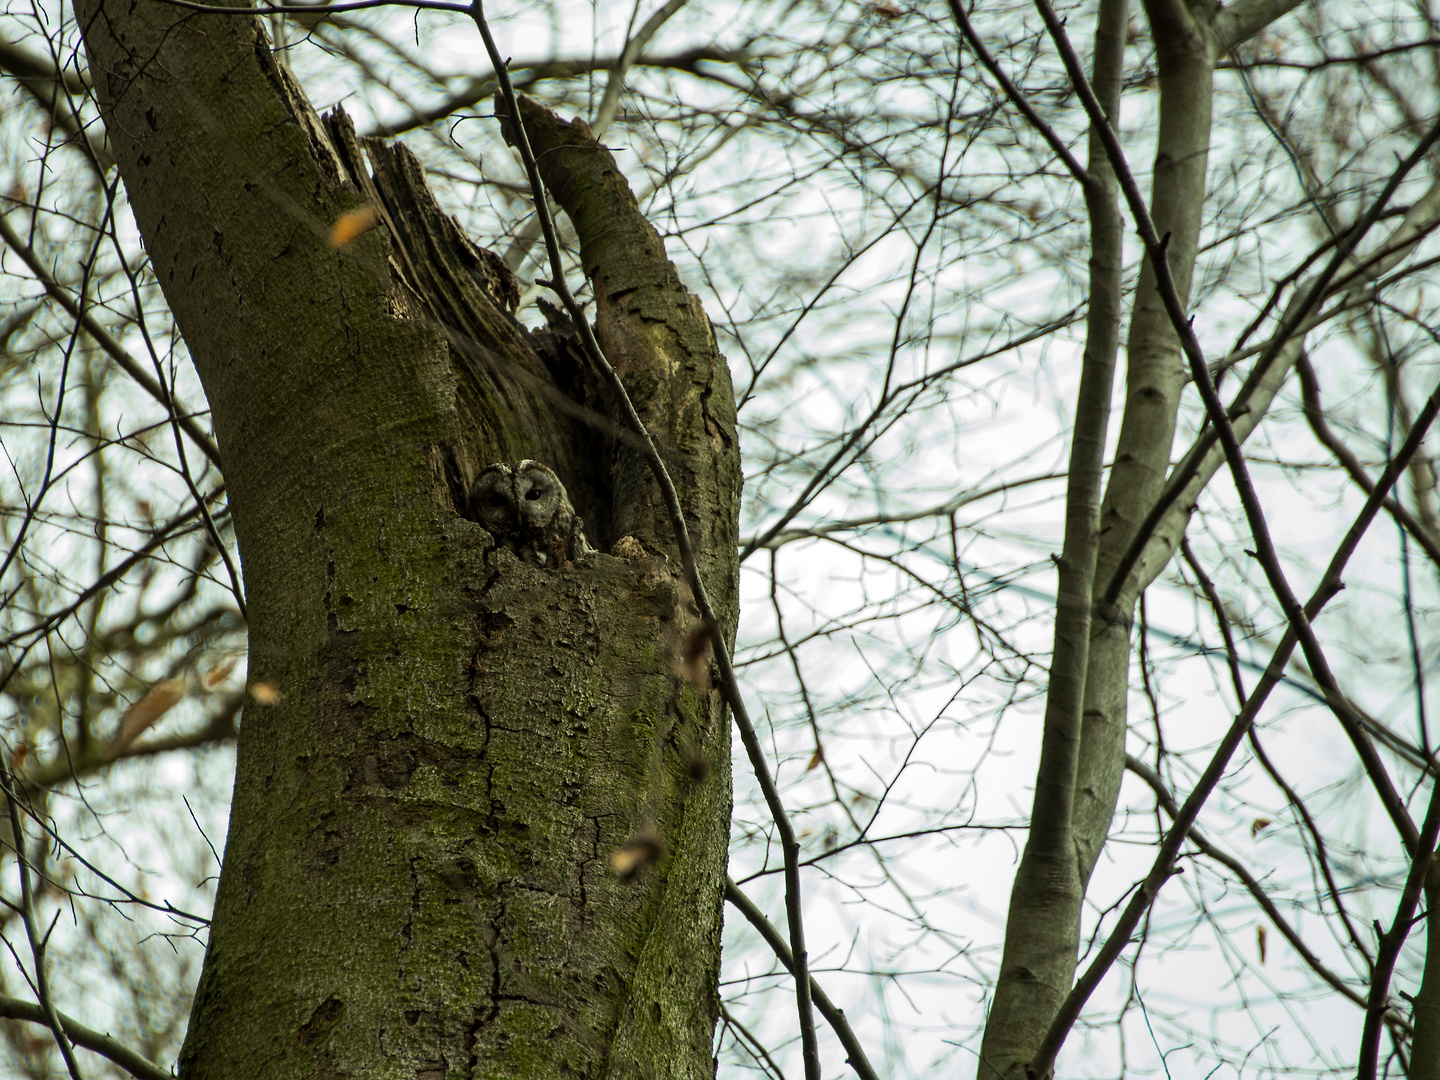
[693, 666]
[353, 224]
[161, 698]
[816, 758]
[1258, 824]
[1260, 935]
[217, 674]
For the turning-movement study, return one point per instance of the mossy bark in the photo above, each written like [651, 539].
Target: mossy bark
[417, 878]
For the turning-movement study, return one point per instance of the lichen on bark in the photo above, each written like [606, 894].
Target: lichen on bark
[417, 877]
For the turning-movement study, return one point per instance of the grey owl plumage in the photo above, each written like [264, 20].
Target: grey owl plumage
[525, 507]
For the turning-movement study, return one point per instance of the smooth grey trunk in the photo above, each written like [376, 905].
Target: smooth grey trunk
[417, 879]
[1083, 749]
[1186, 53]
[1043, 924]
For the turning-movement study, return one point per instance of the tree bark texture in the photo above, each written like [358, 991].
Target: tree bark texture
[417, 877]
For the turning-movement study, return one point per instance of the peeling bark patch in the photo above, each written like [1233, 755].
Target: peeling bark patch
[389, 763]
[326, 1015]
[322, 850]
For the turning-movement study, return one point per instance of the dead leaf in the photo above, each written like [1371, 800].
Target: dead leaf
[1258, 824]
[1260, 935]
[217, 674]
[353, 224]
[161, 698]
[693, 666]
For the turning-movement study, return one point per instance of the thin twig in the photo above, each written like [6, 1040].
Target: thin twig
[98, 1042]
[1163, 867]
[755, 1046]
[834, 1016]
[37, 940]
[1232, 658]
[1300, 317]
[1315, 416]
[103, 337]
[1215, 410]
[1393, 940]
[1167, 800]
[175, 527]
[1045, 131]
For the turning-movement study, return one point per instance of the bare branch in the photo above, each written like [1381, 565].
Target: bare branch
[102, 1044]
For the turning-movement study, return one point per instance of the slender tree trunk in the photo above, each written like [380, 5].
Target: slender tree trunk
[1425, 1050]
[417, 879]
[1083, 750]
[1043, 924]
[1186, 56]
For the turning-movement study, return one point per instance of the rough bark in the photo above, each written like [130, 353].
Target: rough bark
[417, 880]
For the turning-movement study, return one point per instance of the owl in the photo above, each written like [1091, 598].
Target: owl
[525, 508]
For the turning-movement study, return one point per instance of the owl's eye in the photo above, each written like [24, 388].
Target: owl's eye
[533, 494]
[497, 499]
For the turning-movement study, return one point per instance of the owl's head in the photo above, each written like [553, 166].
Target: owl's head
[516, 496]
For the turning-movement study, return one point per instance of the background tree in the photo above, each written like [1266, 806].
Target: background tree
[922, 293]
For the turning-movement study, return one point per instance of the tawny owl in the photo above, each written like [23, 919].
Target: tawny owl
[524, 506]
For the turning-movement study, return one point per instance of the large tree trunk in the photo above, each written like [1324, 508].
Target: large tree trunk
[417, 878]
